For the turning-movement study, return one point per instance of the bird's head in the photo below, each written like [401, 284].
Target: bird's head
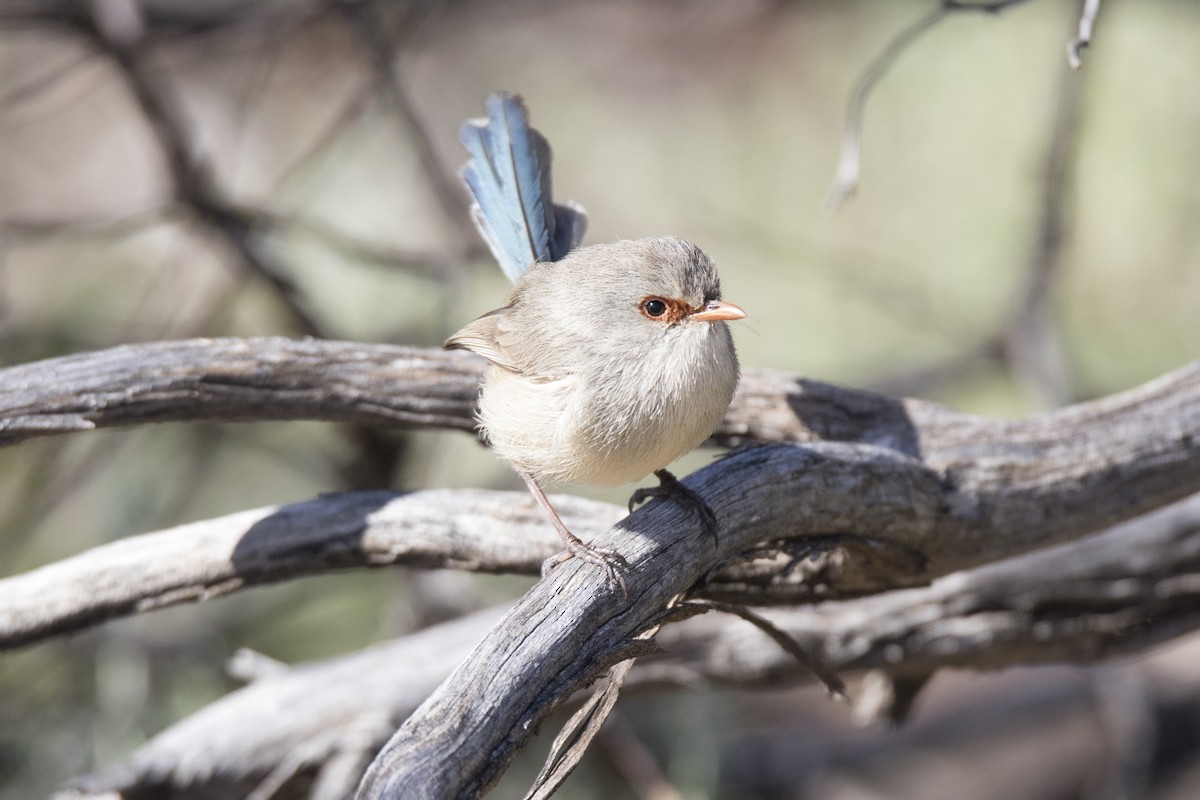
[631, 293]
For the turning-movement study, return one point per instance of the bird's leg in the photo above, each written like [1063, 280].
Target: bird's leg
[612, 563]
[669, 486]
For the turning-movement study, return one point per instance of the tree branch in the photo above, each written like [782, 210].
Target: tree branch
[998, 475]
[238, 380]
[1079, 602]
[921, 491]
[191, 177]
[1042, 481]
[845, 180]
[268, 378]
[464, 529]
[1087, 22]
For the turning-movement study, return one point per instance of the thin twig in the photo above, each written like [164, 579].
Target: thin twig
[1087, 21]
[84, 227]
[40, 83]
[1033, 349]
[833, 684]
[192, 179]
[370, 27]
[849, 159]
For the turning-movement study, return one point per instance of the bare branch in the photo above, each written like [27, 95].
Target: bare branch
[323, 710]
[1087, 21]
[369, 25]
[111, 227]
[192, 179]
[238, 380]
[465, 529]
[571, 743]
[52, 73]
[273, 379]
[834, 686]
[987, 497]
[845, 180]
[1082, 602]
[1032, 345]
[1085, 466]
[282, 379]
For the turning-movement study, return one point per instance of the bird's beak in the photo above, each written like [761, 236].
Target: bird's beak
[717, 310]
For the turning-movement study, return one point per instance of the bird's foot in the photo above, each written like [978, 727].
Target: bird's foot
[610, 561]
[669, 486]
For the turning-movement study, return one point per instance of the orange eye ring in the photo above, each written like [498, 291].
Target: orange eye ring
[664, 309]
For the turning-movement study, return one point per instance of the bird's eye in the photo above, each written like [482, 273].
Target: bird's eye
[654, 307]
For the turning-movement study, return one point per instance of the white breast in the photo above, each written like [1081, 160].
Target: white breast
[617, 422]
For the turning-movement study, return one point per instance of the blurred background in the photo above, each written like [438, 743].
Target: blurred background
[1024, 236]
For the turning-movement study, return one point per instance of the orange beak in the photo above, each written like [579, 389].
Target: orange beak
[716, 311]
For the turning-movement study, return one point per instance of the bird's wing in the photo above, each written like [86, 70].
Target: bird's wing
[489, 337]
[509, 179]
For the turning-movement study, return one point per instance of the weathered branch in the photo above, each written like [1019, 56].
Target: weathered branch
[462, 529]
[923, 491]
[320, 710]
[238, 380]
[1110, 594]
[273, 379]
[972, 497]
[268, 378]
[1000, 479]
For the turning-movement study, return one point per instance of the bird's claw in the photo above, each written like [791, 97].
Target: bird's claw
[610, 561]
[670, 486]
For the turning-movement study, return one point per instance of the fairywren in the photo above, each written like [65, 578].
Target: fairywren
[608, 362]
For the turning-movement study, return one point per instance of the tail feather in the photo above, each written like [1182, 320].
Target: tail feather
[509, 178]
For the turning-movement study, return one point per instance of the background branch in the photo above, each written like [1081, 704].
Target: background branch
[1079, 602]
[845, 180]
[320, 139]
[1087, 22]
[443, 529]
[273, 379]
[192, 179]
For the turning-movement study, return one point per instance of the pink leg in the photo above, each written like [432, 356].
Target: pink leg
[610, 562]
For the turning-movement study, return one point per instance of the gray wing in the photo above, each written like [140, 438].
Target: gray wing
[489, 336]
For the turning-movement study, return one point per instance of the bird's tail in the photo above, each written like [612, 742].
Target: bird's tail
[509, 178]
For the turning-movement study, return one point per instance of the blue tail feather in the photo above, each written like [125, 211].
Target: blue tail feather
[509, 178]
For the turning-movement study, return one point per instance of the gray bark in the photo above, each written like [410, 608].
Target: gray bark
[885, 494]
[463, 529]
[1113, 593]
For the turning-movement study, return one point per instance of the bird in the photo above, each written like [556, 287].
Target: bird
[606, 362]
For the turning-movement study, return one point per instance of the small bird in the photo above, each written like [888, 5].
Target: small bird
[608, 362]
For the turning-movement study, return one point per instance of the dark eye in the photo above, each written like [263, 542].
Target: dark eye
[654, 307]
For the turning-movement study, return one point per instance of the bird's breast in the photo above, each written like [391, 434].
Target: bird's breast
[617, 421]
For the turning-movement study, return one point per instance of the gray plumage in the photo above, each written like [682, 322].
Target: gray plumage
[584, 387]
[607, 362]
